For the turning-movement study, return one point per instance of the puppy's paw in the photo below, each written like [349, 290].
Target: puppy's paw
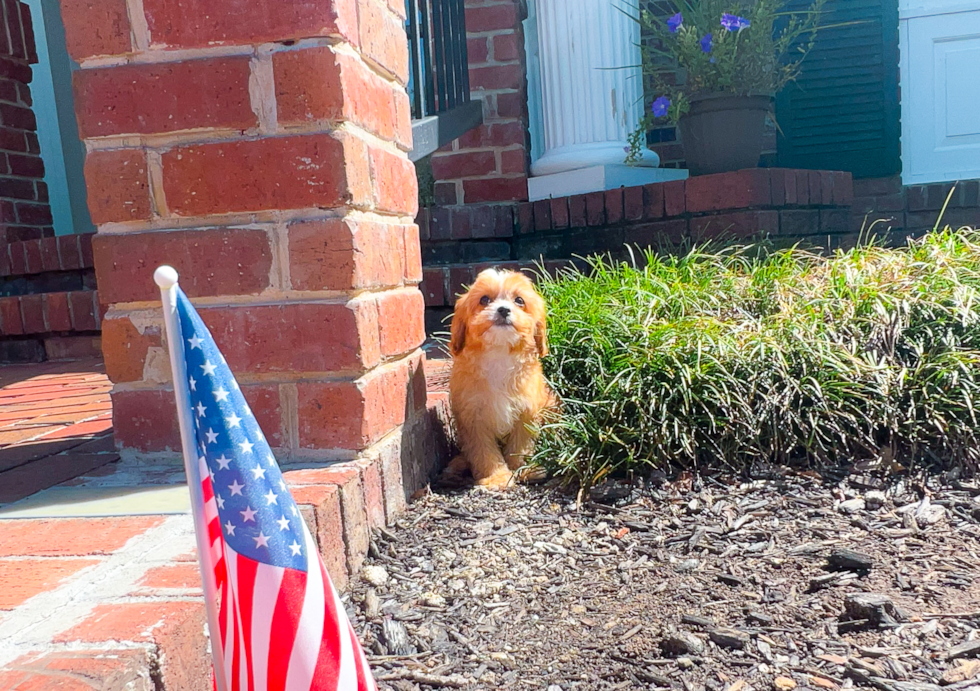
[451, 480]
[499, 480]
[458, 466]
[455, 475]
[531, 475]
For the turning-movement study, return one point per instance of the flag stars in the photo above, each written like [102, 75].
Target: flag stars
[246, 480]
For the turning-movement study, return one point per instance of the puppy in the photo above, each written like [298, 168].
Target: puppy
[497, 389]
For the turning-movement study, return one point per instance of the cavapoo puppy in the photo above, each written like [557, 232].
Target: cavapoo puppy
[497, 389]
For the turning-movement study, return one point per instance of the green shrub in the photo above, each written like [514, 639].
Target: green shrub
[742, 357]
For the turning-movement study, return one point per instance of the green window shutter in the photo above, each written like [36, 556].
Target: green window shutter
[842, 113]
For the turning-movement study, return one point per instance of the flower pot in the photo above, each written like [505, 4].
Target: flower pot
[721, 132]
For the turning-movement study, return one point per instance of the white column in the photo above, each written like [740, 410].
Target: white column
[591, 83]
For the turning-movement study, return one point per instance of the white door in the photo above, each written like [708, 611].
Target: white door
[940, 90]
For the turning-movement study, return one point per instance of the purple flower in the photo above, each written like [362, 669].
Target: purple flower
[706, 43]
[734, 23]
[660, 107]
[674, 23]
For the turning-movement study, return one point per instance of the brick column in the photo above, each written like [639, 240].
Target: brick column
[263, 154]
[24, 210]
[490, 163]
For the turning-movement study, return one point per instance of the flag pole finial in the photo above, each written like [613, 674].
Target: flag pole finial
[165, 277]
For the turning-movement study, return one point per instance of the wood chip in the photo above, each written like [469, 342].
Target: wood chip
[962, 672]
[968, 649]
[729, 638]
[850, 560]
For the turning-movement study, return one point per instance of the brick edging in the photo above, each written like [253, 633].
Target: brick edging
[343, 502]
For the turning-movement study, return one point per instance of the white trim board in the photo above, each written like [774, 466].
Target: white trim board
[909, 9]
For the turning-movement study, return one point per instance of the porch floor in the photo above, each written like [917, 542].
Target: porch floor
[98, 575]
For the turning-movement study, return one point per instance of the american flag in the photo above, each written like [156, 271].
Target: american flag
[282, 625]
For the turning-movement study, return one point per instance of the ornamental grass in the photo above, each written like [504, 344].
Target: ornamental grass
[744, 357]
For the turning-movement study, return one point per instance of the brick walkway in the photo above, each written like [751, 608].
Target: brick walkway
[55, 424]
[99, 584]
[88, 602]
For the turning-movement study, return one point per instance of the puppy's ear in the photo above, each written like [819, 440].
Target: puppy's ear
[458, 328]
[541, 337]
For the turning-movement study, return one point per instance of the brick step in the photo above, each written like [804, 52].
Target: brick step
[75, 311]
[50, 326]
[54, 254]
[49, 309]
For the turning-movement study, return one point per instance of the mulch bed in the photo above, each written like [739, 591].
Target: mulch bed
[697, 583]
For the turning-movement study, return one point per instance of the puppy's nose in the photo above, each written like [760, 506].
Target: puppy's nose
[503, 311]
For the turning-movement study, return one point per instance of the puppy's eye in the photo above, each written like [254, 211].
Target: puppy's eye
[519, 301]
[485, 300]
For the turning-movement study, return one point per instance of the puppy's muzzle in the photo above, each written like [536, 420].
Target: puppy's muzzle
[502, 316]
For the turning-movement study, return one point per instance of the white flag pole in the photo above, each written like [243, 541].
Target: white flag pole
[166, 279]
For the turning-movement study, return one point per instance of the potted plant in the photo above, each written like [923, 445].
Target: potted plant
[714, 67]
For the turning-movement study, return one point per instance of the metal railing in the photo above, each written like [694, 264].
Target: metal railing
[439, 81]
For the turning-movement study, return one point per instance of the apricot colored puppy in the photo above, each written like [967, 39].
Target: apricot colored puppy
[497, 389]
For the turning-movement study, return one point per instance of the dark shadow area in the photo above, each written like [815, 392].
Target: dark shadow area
[26, 469]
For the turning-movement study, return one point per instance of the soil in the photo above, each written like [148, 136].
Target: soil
[697, 583]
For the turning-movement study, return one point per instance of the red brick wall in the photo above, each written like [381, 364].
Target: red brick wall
[24, 210]
[784, 205]
[490, 163]
[881, 204]
[264, 155]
